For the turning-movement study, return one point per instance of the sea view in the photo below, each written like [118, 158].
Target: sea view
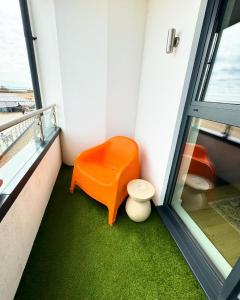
[224, 84]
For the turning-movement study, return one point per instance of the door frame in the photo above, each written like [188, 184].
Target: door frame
[211, 280]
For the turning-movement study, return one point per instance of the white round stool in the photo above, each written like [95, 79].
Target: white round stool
[138, 206]
[195, 192]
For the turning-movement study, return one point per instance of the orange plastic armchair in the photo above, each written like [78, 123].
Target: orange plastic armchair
[200, 162]
[104, 171]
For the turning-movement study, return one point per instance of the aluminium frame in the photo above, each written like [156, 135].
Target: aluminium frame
[212, 282]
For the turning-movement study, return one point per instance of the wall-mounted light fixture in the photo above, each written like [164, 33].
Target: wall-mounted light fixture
[172, 40]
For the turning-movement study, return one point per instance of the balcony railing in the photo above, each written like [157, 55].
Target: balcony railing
[11, 136]
[22, 142]
[36, 114]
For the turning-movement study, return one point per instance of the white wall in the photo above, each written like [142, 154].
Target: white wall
[126, 31]
[164, 82]
[71, 51]
[82, 44]
[20, 225]
[43, 23]
[89, 55]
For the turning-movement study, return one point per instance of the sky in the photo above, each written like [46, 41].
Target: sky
[14, 67]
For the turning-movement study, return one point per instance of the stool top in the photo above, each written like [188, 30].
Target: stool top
[198, 182]
[140, 190]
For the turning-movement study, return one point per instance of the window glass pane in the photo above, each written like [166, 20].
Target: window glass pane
[207, 193]
[212, 127]
[16, 91]
[224, 80]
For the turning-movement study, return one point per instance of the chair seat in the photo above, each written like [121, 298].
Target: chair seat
[103, 174]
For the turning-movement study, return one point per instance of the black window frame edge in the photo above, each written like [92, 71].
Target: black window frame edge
[6, 201]
[29, 38]
[204, 270]
[210, 279]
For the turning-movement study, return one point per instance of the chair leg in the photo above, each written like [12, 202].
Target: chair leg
[112, 214]
[73, 184]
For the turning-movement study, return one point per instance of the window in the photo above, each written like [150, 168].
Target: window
[203, 196]
[220, 81]
[17, 79]
[19, 94]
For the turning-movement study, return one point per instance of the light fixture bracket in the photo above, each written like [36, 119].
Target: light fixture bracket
[172, 40]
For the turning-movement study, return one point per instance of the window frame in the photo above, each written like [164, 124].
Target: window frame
[226, 112]
[29, 39]
[216, 287]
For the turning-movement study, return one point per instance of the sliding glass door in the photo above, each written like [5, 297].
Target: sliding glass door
[207, 192]
[204, 189]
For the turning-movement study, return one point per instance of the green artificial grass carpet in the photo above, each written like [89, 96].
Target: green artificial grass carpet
[77, 255]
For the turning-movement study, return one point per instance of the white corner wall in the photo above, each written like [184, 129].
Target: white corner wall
[89, 56]
[164, 82]
[126, 32]
[20, 225]
[71, 52]
[47, 54]
[82, 45]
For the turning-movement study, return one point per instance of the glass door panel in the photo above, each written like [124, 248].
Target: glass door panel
[207, 192]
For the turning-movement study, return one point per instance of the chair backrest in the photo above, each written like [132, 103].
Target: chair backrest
[195, 150]
[200, 162]
[119, 150]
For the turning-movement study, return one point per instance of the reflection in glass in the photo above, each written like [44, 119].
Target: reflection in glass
[207, 192]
